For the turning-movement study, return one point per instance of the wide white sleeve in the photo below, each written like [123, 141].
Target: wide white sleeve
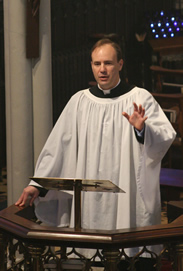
[60, 150]
[159, 135]
[58, 159]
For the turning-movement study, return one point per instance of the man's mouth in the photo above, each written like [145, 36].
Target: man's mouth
[103, 78]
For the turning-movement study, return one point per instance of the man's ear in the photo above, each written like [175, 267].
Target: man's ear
[120, 64]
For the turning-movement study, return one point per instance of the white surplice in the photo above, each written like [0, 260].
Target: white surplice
[92, 140]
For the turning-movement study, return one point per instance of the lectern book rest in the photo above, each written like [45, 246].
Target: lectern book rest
[77, 185]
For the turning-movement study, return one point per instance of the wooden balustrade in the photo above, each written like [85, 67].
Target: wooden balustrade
[32, 238]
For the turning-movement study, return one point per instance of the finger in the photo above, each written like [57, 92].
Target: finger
[140, 109]
[22, 203]
[32, 200]
[19, 200]
[22, 200]
[126, 115]
[143, 112]
[135, 107]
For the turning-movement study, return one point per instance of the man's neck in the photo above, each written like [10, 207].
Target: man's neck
[108, 91]
[120, 89]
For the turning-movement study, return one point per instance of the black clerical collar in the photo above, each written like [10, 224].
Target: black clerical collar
[119, 90]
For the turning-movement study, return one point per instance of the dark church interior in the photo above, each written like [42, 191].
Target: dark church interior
[150, 34]
[130, 23]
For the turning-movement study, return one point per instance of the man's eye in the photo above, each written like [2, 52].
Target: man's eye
[96, 64]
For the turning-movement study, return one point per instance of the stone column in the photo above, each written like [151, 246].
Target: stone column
[42, 82]
[27, 98]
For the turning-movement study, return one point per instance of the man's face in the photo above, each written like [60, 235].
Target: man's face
[105, 66]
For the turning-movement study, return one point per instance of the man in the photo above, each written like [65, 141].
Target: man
[112, 131]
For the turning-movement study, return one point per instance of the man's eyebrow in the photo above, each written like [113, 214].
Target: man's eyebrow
[96, 61]
[105, 61]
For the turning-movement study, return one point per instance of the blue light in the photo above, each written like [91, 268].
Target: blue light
[165, 24]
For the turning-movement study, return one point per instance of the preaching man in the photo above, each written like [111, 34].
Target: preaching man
[111, 131]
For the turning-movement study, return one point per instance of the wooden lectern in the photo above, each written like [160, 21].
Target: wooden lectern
[77, 185]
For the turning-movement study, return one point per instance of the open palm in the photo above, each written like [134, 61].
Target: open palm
[137, 119]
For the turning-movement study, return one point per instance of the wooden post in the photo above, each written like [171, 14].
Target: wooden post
[77, 202]
[3, 252]
[36, 256]
[111, 259]
[179, 257]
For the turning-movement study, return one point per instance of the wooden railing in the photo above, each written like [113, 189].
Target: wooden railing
[19, 232]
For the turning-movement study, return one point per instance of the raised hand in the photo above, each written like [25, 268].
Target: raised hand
[137, 119]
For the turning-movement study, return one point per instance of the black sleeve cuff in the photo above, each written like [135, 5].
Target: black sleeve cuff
[140, 139]
[42, 191]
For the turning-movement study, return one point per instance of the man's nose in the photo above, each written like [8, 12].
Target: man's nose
[102, 67]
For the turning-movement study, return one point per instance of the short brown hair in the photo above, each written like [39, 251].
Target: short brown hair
[104, 41]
